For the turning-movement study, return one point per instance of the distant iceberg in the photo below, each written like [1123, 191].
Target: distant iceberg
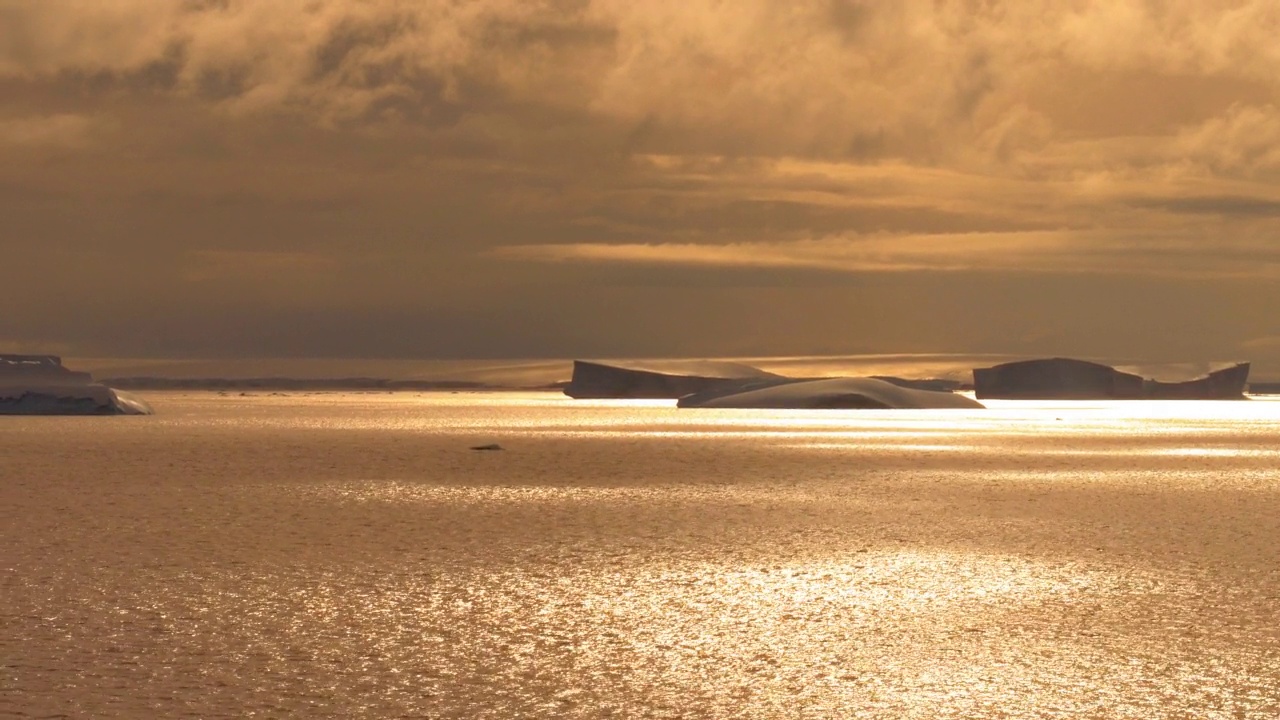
[1068, 378]
[40, 385]
[657, 378]
[828, 393]
[722, 384]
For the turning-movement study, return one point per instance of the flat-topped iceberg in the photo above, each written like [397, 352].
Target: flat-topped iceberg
[1068, 378]
[721, 384]
[40, 385]
[657, 378]
[828, 393]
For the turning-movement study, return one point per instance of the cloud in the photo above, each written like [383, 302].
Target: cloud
[336, 61]
[45, 39]
[262, 157]
[1266, 343]
[207, 265]
[1243, 141]
[1017, 253]
[942, 253]
[1228, 205]
[1183, 36]
[839, 78]
[61, 130]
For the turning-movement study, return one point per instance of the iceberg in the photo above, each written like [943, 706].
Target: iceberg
[1216, 381]
[41, 385]
[826, 393]
[723, 384]
[935, 384]
[1071, 379]
[657, 379]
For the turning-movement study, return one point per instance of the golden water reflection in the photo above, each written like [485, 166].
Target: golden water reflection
[348, 555]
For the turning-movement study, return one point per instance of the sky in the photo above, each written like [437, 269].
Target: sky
[612, 178]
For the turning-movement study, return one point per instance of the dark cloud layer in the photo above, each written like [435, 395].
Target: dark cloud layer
[563, 177]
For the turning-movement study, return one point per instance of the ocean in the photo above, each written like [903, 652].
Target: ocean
[343, 554]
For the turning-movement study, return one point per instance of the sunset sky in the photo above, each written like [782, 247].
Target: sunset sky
[557, 178]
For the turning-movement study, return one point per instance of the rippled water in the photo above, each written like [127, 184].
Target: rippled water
[347, 555]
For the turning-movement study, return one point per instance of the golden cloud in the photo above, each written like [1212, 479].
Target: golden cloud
[1060, 252]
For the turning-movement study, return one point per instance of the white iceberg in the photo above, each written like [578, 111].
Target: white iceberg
[40, 385]
[829, 393]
